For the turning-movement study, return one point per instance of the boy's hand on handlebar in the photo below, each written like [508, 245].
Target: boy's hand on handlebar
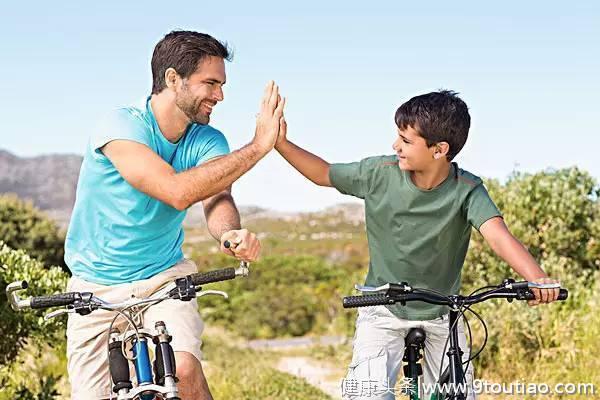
[543, 296]
[245, 245]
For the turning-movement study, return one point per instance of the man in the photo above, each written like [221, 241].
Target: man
[144, 166]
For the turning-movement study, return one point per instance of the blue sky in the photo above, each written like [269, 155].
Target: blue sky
[529, 71]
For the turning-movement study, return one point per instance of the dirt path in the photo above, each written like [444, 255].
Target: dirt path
[314, 372]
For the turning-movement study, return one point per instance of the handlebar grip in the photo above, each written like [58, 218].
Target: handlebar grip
[218, 275]
[367, 300]
[563, 294]
[55, 300]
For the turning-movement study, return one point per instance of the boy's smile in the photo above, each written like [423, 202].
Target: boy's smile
[412, 150]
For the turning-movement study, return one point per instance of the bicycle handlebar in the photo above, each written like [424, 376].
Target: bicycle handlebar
[218, 275]
[394, 295]
[54, 300]
[71, 298]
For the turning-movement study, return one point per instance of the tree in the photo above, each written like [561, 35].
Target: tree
[22, 226]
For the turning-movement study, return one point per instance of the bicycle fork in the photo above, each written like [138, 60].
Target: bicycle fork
[165, 380]
[453, 376]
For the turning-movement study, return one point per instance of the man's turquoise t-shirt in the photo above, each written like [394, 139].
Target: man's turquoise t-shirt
[118, 234]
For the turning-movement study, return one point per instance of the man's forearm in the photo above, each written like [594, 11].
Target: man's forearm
[311, 166]
[221, 215]
[208, 179]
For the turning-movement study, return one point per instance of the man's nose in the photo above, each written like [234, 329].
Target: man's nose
[218, 94]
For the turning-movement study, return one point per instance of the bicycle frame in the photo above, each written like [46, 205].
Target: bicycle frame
[163, 383]
[454, 375]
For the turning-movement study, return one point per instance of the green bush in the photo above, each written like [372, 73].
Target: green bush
[282, 296]
[19, 327]
[24, 227]
[555, 214]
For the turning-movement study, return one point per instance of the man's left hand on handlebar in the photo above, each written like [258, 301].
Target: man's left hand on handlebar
[245, 245]
[543, 296]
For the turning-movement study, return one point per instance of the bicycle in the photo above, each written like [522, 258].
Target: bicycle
[451, 383]
[153, 381]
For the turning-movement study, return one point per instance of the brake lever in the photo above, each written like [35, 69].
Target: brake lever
[371, 289]
[57, 313]
[543, 285]
[243, 269]
[511, 284]
[213, 292]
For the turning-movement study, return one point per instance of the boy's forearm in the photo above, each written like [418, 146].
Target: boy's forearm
[520, 260]
[311, 166]
[507, 247]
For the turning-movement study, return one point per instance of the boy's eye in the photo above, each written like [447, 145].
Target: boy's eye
[405, 141]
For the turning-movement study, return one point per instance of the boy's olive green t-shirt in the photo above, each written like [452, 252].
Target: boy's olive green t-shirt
[416, 236]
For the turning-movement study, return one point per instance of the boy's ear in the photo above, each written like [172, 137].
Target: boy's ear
[440, 150]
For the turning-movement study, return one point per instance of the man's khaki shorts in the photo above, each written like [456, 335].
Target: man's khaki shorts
[87, 346]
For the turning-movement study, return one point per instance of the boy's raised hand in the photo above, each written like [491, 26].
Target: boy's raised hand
[282, 137]
[268, 119]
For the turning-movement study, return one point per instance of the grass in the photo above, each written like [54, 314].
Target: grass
[232, 372]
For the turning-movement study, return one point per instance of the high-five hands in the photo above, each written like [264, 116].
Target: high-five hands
[269, 118]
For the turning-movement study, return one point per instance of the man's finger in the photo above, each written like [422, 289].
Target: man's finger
[273, 98]
[266, 95]
[227, 251]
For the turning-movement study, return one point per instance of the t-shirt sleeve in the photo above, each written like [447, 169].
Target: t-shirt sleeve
[480, 207]
[352, 178]
[119, 124]
[214, 144]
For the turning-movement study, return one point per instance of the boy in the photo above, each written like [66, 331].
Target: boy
[420, 207]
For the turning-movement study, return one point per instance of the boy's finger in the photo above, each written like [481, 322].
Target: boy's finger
[280, 107]
[545, 294]
[555, 293]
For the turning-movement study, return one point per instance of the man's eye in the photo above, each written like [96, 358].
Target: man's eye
[405, 141]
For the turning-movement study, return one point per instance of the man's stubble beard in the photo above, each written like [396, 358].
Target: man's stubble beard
[187, 105]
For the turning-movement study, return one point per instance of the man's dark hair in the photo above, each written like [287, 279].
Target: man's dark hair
[183, 51]
[438, 117]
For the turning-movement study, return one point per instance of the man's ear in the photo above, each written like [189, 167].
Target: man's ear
[440, 150]
[171, 78]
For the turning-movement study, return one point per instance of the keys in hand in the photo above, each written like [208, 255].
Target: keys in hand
[242, 244]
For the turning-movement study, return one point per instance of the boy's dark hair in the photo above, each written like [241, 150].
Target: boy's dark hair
[438, 117]
[183, 50]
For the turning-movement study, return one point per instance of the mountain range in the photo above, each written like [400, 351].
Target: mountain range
[50, 182]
